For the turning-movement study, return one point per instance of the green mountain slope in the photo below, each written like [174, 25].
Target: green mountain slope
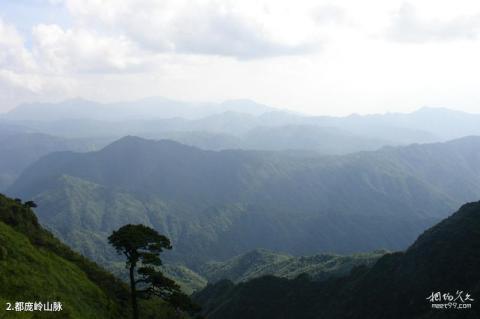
[31, 274]
[444, 259]
[325, 140]
[261, 262]
[216, 205]
[37, 267]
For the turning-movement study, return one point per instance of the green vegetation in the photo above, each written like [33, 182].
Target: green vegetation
[35, 266]
[261, 262]
[187, 279]
[28, 274]
[445, 259]
[142, 245]
[217, 205]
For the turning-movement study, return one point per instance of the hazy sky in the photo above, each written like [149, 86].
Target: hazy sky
[321, 57]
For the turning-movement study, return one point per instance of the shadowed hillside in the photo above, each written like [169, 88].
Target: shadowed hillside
[262, 262]
[20, 149]
[444, 259]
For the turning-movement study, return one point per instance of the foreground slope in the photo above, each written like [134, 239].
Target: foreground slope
[444, 259]
[216, 205]
[35, 266]
[28, 274]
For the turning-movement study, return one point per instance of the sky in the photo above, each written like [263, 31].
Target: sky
[316, 57]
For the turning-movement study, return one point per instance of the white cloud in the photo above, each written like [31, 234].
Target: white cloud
[22, 74]
[408, 26]
[79, 50]
[16, 63]
[220, 31]
[244, 30]
[328, 14]
[13, 54]
[316, 56]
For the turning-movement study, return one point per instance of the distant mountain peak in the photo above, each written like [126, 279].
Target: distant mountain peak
[131, 139]
[132, 143]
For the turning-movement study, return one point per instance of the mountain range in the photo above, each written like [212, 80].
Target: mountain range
[218, 204]
[147, 108]
[283, 215]
[237, 124]
[155, 115]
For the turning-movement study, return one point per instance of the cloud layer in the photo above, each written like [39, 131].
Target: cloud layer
[317, 56]
[244, 30]
[407, 26]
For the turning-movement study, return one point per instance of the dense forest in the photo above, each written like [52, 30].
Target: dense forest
[34, 260]
[398, 285]
[218, 204]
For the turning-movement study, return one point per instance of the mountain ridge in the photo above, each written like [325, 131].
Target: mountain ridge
[218, 204]
[151, 107]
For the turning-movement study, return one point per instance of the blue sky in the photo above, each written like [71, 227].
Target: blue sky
[25, 14]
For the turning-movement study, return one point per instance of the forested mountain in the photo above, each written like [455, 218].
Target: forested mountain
[215, 205]
[261, 262]
[445, 260]
[324, 140]
[20, 149]
[258, 263]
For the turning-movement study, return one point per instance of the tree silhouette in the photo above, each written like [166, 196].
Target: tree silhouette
[142, 246]
[30, 204]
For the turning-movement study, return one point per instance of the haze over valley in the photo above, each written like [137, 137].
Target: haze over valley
[222, 180]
